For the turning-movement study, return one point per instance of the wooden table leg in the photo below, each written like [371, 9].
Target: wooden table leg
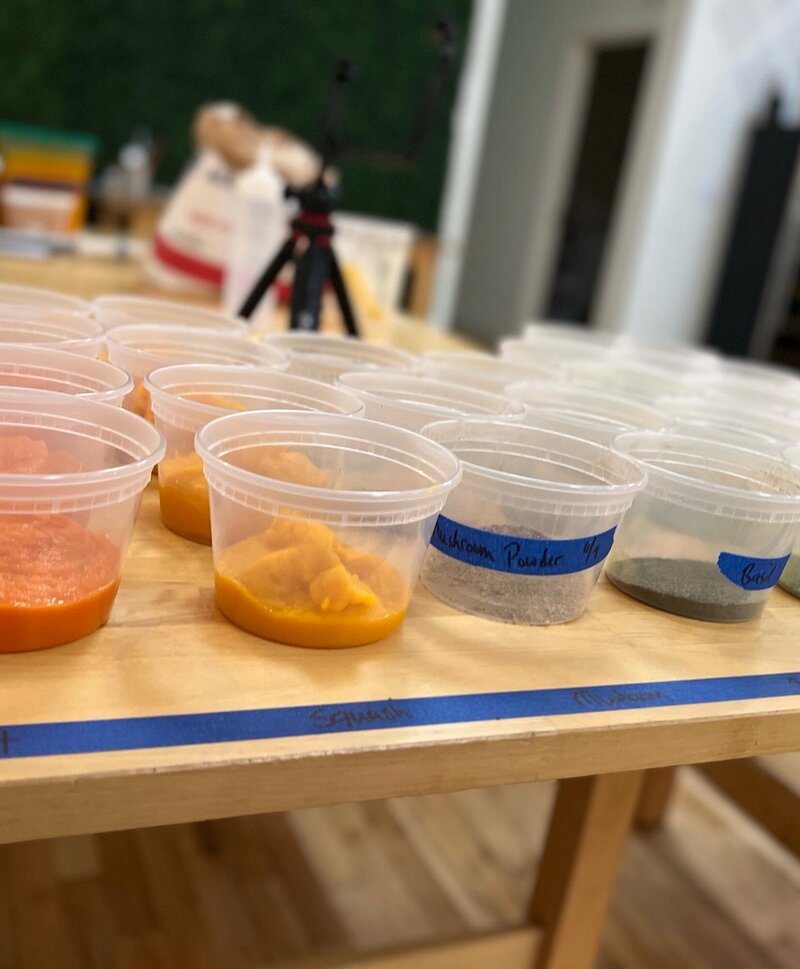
[654, 798]
[588, 828]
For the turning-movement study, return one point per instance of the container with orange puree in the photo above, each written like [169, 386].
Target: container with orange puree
[71, 472]
[319, 522]
[185, 397]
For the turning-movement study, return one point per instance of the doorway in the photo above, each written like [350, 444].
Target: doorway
[615, 82]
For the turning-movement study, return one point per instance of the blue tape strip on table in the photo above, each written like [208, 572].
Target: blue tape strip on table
[173, 730]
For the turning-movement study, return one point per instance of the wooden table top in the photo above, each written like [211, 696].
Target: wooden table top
[171, 714]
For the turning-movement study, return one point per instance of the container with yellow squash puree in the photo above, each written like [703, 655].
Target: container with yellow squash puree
[319, 522]
[185, 397]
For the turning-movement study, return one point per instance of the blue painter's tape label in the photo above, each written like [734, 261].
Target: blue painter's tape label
[521, 556]
[751, 574]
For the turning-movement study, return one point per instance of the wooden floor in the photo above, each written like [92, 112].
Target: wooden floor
[709, 891]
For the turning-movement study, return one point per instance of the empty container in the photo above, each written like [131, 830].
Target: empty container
[38, 368]
[113, 311]
[480, 370]
[319, 356]
[43, 298]
[59, 329]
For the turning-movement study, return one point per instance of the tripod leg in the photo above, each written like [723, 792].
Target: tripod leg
[342, 296]
[310, 275]
[268, 277]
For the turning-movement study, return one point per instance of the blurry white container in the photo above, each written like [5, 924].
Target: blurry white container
[627, 378]
[732, 421]
[381, 250]
[39, 368]
[673, 357]
[712, 531]
[412, 401]
[45, 298]
[259, 225]
[553, 354]
[113, 311]
[481, 370]
[319, 356]
[72, 330]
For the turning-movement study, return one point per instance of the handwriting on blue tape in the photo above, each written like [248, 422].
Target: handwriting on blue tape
[751, 573]
[524, 556]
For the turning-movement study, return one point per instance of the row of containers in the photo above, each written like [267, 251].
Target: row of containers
[329, 474]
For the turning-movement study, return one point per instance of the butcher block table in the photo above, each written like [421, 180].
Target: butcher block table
[170, 714]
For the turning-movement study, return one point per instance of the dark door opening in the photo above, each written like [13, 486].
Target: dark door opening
[613, 92]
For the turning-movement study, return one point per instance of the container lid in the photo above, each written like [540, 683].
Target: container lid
[378, 475]
[481, 370]
[39, 368]
[320, 356]
[538, 468]
[56, 328]
[191, 394]
[113, 311]
[142, 347]
[720, 479]
[104, 454]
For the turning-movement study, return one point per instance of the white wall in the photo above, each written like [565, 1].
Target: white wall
[735, 52]
[714, 64]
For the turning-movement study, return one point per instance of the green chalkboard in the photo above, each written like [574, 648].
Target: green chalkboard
[108, 66]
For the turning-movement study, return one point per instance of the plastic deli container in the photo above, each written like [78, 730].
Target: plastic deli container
[479, 370]
[779, 396]
[320, 522]
[322, 357]
[71, 475]
[113, 311]
[37, 368]
[58, 329]
[583, 411]
[627, 378]
[412, 401]
[524, 536]
[561, 330]
[142, 347]
[43, 298]
[729, 421]
[710, 535]
[790, 577]
[760, 372]
[667, 356]
[552, 353]
[186, 397]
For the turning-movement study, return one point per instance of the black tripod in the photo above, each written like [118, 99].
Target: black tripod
[309, 244]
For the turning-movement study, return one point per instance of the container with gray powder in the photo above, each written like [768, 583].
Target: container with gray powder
[524, 536]
[710, 535]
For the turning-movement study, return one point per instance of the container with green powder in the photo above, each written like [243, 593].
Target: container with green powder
[712, 531]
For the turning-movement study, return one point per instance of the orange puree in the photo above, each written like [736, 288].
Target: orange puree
[57, 579]
[297, 583]
[183, 492]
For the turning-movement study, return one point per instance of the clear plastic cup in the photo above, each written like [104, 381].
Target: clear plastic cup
[728, 421]
[58, 329]
[319, 356]
[113, 311]
[187, 396]
[524, 536]
[412, 401]
[627, 378]
[320, 522]
[37, 368]
[480, 370]
[142, 347]
[42, 298]
[780, 397]
[564, 331]
[759, 372]
[666, 356]
[712, 531]
[553, 354]
[790, 577]
[71, 476]
[582, 411]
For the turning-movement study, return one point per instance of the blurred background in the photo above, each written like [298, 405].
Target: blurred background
[627, 164]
